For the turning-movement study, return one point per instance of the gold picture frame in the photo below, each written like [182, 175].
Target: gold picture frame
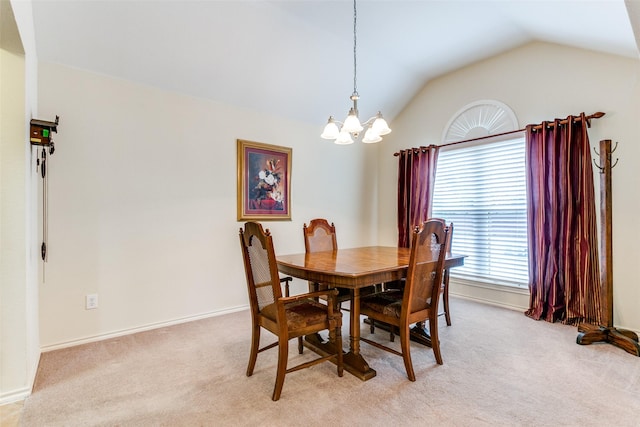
[264, 181]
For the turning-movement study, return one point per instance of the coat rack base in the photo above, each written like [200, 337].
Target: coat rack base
[623, 338]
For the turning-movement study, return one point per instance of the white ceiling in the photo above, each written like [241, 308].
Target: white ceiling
[295, 58]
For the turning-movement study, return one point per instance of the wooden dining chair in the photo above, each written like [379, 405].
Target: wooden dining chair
[286, 317]
[444, 289]
[320, 236]
[419, 299]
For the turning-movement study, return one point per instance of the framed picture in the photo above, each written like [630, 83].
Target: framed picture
[264, 181]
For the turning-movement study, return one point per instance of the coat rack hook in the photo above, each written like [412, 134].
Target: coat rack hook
[600, 167]
[611, 152]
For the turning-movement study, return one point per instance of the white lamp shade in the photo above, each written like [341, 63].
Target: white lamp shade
[370, 136]
[330, 131]
[380, 126]
[352, 123]
[344, 138]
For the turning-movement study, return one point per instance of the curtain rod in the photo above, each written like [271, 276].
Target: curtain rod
[536, 127]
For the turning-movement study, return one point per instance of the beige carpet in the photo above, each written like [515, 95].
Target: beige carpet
[500, 369]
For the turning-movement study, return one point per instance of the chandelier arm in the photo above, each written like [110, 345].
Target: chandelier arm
[369, 121]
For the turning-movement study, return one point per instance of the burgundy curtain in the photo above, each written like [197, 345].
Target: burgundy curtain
[563, 244]
[416, 178]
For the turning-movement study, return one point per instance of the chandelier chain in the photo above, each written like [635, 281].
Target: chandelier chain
[355, 43]
[352, 127]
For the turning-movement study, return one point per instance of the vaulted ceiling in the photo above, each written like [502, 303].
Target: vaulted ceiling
[295, 58]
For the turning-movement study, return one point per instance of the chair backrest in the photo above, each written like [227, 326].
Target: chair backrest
[449, 229]
[263, 281]
[426, 265]
[319, 236]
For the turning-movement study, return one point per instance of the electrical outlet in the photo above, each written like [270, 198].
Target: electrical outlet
[91, 301]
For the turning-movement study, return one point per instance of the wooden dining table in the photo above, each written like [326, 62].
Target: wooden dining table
[354, 269]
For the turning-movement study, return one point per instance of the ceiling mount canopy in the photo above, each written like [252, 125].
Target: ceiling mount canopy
[351, 128]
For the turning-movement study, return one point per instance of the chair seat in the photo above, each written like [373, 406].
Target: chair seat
[300, 314]
[387, 303]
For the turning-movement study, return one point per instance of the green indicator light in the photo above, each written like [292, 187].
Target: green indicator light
[45, 133]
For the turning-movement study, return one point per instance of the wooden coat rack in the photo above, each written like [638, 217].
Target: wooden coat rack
[588, 333]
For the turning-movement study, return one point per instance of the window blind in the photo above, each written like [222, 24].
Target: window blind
[482, 190]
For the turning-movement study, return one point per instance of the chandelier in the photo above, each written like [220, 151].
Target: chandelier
[351, 128]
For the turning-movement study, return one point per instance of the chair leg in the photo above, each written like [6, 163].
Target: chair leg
[372, 325]
[405, 344]
[255, 342]
[283, 354]
[300, 345]
[435, 341]
[445, 298]
[338, 346]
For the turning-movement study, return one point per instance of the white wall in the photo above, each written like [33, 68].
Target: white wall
[540, 82]
[142, 203]
[19, 341]
[12, 220]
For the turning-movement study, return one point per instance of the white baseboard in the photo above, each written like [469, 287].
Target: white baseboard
[14, 395]
[498, 295]
[495, 303]
[21, 393]
[148, 327]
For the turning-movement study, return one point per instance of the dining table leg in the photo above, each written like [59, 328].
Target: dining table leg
[353, 360]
